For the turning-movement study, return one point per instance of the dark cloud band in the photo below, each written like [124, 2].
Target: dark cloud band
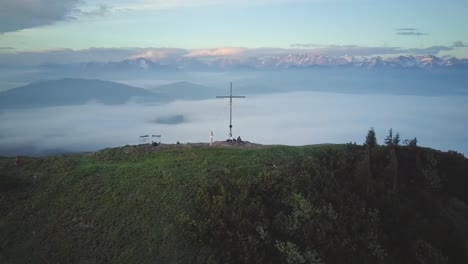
[411, 33]
[17, 15]
[460, 44]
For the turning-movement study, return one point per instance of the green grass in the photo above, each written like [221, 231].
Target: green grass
[113, 206]
[132, 205]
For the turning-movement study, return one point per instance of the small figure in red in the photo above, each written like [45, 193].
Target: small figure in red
[18, 161]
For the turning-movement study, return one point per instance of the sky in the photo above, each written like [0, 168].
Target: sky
[44, 25]
[52, 33]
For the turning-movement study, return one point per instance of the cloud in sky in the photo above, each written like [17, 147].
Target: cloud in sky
[64, 56]
[411, 33]
[158, 53]
[434, 50]
[224, 52]
[18, 14]
[305, 45]
[207, 23]
[164, 4]
[23, 14]
[100, 11]
[460, 44]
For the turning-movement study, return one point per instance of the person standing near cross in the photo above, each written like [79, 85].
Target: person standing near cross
[19, 163]
[230, 96]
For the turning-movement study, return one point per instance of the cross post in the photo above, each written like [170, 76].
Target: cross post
[230, 96]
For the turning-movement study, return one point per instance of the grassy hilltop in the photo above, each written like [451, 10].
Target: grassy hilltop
[270, 204]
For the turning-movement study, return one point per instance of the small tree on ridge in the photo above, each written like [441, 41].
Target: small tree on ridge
[371, 140]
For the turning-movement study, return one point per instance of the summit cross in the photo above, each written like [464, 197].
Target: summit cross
[230, 96]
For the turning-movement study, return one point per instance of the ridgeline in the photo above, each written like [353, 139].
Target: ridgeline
[258, 204]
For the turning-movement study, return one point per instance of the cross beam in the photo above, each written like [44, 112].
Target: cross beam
[230, 96]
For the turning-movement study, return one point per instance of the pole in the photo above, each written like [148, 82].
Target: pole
[230, 113]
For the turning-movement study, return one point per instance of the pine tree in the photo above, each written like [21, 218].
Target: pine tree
[371, 143]
[389, 139]
[394, 163]
[396, 140]
[371, 140]
[392, 142]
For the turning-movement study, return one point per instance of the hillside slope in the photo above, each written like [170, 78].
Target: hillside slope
[181, 204]
[71, 92]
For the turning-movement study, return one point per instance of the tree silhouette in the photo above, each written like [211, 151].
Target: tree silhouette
[371, 140]
[396, 140]
[389, 139]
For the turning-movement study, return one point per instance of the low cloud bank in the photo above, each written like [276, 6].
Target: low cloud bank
[297, 118]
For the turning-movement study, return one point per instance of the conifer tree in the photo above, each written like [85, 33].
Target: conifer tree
[389, 139]
[371, 143]
[396, 139]
[371, 140]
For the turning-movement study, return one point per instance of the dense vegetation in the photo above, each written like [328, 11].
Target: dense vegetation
[312, 204]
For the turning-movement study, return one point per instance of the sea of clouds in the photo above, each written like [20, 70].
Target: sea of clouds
[294, 118]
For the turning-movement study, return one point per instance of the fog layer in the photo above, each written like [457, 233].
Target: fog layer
[296, 118]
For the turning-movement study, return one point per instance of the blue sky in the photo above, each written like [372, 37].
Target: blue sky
[195, 24]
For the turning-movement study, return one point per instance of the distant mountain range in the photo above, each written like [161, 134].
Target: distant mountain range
[290, 61]
[82, 91]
